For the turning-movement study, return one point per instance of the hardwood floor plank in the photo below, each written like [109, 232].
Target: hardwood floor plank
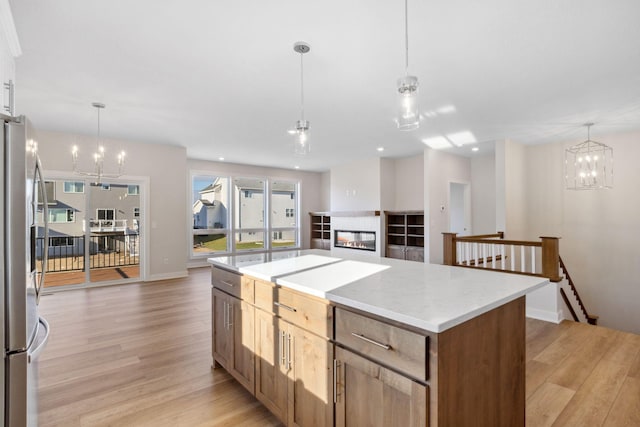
[625, 411]
[575, 368]
[544, 406]
[536, 374]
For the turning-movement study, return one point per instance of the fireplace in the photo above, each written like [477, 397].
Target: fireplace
[363, 240]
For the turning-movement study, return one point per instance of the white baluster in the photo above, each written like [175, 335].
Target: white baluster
[522, 263]
[502, 257]
[513, 258]
[493, 256]
[533, 259]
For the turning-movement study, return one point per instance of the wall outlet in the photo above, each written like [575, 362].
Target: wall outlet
[165, 261]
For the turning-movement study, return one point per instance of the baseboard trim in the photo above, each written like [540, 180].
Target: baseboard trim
[167, 276]
[547, 316]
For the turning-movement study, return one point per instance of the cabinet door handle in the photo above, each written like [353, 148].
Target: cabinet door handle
[286, 307]
[281, 346]
[370, 341]
[228, 283]
[224, 314]
[8, 86]
[288, 352]
[335, 380]
[230, 314]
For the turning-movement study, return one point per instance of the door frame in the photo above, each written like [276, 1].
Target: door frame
[466, 205]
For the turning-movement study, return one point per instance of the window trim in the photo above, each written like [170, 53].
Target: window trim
[75, 183]
[70, 213]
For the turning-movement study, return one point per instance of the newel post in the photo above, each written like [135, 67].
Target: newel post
[449, 248]
[551, 258]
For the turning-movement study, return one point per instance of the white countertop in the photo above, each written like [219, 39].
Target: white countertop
[428, 296]
[433, 297]
[321, 281]
[269, 271]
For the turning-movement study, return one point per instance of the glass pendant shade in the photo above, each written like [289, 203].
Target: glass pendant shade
[588, 166]
[408, 114]
[302, 144]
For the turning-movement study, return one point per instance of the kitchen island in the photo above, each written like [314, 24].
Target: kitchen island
[324, 340]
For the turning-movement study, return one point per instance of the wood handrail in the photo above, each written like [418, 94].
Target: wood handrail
[591, 319]
[499, 242]
[549, 247]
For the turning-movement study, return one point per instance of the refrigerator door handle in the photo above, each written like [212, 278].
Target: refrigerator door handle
[45, 214]
[36, 351]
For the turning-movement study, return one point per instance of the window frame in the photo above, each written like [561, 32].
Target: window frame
[70, 213]
[74, 183]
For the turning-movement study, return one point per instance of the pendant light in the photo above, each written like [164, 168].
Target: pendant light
[588, 165]
[408, 115]
[98, 156]
[302, 144]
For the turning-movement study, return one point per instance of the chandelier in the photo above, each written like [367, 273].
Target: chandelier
[588, 165]
[98, 156]
[301, 145]
[408, 115]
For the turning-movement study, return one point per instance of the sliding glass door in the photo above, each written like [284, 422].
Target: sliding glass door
[95, 232]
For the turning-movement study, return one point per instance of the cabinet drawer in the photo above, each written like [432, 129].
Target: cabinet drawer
[232, 283]
[309, 313]
[395, 347]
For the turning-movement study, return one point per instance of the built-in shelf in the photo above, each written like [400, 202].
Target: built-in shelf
[320, 230]
[405, 235]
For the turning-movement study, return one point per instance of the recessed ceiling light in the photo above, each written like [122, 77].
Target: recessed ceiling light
[475, 149]
[291, 131]
[437, 142]
[296, 167]
[380, 148]
[462, 138]
[221, 159]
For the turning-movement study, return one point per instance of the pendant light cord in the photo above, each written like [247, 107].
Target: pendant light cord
[98, 138]
[301, 87]
[406, 36]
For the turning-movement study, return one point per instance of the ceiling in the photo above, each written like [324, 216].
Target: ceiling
[222, 79]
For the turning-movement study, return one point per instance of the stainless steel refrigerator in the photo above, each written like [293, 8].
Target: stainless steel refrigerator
[23, 332]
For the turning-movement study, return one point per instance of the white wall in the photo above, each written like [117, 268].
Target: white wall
[356, 186]
[325, 191]
[440, 170]
[312, 195]
[409, 183]
[165, 167]
[515, 187]
[599, 229]
[483, 194]
[387, 183]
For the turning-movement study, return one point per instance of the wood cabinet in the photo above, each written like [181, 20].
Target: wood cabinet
[368, 394]
[320, 230]
[293, 356]
[233, 337]
[405, 235]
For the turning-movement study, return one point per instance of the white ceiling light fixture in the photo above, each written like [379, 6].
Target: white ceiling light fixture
[98, 156]
[588, 165]
[302, 145]
[409, 116]
[437, 142]
[462, 138]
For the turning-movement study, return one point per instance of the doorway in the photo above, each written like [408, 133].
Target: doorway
[95, 232]
[460, 208]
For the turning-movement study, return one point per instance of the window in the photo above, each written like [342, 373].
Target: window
[73, 187]
[284, 225]
[61, 241]
[210, 213]
[58, 215]
[133, 190]
[50, 188]
[106, 214]
[229, 214]
[248, 213]
[106, 187]
[136, 212]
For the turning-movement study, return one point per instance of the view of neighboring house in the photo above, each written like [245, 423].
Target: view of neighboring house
[211, 209]
[113, 218]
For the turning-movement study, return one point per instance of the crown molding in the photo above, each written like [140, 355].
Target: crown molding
[8, 28]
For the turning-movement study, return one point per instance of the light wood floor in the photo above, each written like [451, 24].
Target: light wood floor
[140, 355]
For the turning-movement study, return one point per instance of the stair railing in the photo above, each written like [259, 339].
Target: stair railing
[493, 252]
[592, 319]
